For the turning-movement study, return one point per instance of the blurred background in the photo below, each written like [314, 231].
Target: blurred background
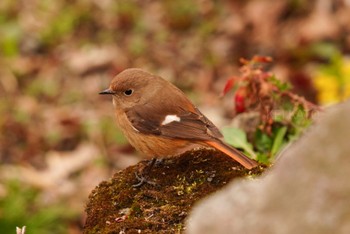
[58, 138]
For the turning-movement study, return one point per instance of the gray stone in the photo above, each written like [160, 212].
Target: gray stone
[306, 191]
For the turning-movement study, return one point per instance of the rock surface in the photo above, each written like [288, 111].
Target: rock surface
[307, 190]
[115, 206]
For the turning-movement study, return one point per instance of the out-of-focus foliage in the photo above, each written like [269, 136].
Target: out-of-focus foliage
[23, 206]
[280, 115]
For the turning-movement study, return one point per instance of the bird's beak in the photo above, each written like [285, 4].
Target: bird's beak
[107, 91]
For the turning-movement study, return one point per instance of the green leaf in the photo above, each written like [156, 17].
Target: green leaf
[263, 158]
[238, 138]
[300, 118]
[282, 86]
[263, 142]
[278, 141]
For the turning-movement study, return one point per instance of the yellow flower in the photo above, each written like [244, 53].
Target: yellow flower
[333, 88]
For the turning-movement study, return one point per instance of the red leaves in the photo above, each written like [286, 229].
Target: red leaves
[239, 99]
[251, 86]
[229, 85]
[239, 95]
[259, 91]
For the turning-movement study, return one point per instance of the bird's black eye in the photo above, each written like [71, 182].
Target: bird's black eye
[128, 92]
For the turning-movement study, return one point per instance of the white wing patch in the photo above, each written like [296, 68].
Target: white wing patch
[134, 128]
[170, 118]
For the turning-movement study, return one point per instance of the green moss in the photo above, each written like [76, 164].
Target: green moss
[162, 208]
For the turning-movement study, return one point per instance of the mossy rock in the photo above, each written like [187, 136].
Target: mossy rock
[115, 206]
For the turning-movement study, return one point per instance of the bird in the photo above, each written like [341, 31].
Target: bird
[159, 120]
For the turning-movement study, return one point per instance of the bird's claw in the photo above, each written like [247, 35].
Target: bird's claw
[142, 180]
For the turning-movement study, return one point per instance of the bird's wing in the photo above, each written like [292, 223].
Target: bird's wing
[172, 122]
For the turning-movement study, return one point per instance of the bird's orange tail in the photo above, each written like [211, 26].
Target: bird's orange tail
[233, 153]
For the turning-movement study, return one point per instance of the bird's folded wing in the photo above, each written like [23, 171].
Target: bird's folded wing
[181, 123]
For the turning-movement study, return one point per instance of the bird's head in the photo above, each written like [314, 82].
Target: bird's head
[133, 87]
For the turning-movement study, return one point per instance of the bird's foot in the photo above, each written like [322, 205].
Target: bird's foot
[142, 180]
[141, 176]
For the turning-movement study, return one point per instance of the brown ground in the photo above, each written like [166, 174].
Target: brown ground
[115, 205]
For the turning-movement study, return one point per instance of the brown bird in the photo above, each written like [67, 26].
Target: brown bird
[159, 120]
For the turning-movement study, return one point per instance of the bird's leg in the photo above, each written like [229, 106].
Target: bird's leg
[145, 171]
